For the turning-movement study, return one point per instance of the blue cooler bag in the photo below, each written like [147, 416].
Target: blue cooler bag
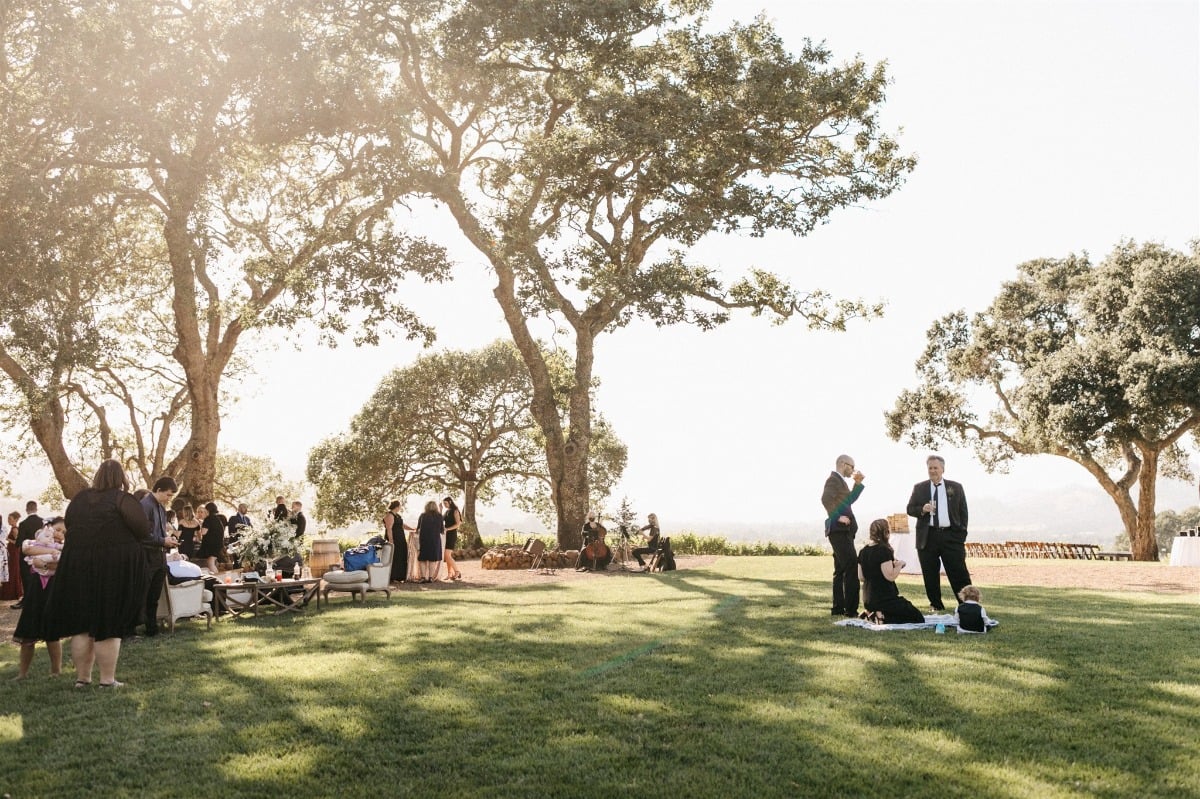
[359, 558]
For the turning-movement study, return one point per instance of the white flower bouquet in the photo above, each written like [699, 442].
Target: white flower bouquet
[272, 540]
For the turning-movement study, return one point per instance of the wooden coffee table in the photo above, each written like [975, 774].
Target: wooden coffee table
[274, 596]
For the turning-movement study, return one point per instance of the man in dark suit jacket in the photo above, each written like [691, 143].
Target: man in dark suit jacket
[26, 531]
[840, 527]
[940, 507]
[298, 519]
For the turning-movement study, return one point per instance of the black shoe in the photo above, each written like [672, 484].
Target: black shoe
[837, 613]
[17, 606]
[936, 609]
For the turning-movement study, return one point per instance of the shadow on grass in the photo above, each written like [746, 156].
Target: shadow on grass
[729, 681]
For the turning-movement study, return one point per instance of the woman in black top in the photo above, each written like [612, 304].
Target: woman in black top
[453, 520]
[878, 570]
[651, 540]
[430, 529]
[214, 534]
[99, 589]
[393, 529]
[188, 526]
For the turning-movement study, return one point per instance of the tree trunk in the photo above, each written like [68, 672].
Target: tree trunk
[566, 453]
[1142, 539]
[48, 423]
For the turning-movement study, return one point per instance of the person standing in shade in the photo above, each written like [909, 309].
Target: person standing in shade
[233, 530]
[189, 532]
[297, 518]
[431, 526]
[99, 589]
[840, 528]
[213, 524]
[26, 530]
[280, 512]
[940, 507]
[453, 520]
[12, 587]
[155, 504]
[393, 529]
[42, 551]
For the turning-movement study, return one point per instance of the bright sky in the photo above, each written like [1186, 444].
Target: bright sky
[1043, 128]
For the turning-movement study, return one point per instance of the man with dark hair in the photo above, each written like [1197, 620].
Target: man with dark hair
[940, 508]
[840, 527]
[26, 531]
[155, 504]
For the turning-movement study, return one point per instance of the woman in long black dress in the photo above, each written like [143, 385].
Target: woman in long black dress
[430, 528]
[214, 535]
[393, 529]
[99, 590]
[31, 626]
[878, 570]
[453, 521]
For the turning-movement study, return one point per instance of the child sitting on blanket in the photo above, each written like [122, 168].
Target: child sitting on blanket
[971, 616]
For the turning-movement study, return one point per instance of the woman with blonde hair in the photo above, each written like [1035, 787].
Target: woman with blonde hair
[651, 532]
[430, 529]
[99, 589]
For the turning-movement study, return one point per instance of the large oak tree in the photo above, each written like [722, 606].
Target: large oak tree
[585, 147]
[1096, 363]
[219, 124]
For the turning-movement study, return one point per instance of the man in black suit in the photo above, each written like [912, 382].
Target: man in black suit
[297, 518]
[239, 520]
[26, 531]
[156, 546]
[840, 527]
[940, 507]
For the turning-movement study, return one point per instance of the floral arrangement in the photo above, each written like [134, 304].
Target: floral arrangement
[274, 539]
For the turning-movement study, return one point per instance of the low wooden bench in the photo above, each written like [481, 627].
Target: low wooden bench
[1114, 556]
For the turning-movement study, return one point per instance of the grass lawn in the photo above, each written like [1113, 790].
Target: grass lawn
[724, 681]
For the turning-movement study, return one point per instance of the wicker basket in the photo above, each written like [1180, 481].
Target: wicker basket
[897, 522]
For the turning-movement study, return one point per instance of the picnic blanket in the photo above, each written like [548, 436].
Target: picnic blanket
[932, 620]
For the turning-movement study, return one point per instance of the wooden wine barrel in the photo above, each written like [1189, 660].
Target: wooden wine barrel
[325, 553]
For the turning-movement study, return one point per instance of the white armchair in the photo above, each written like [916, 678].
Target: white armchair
[379, 575]
[185, 601]
[376, 577]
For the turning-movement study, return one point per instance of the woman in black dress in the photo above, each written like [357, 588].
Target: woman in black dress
[99, 589]
[31, 625]
[430, 529]
[214, 535]
[393, 529]
[878, 570]
[189, 528]
[453, 520]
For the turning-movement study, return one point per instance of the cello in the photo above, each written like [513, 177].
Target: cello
[595, 553]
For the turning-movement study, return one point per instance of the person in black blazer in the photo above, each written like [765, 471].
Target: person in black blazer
[26, 531]
[840, 527]
[940, 508]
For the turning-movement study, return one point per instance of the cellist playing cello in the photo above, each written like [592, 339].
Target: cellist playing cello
[595, 555]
